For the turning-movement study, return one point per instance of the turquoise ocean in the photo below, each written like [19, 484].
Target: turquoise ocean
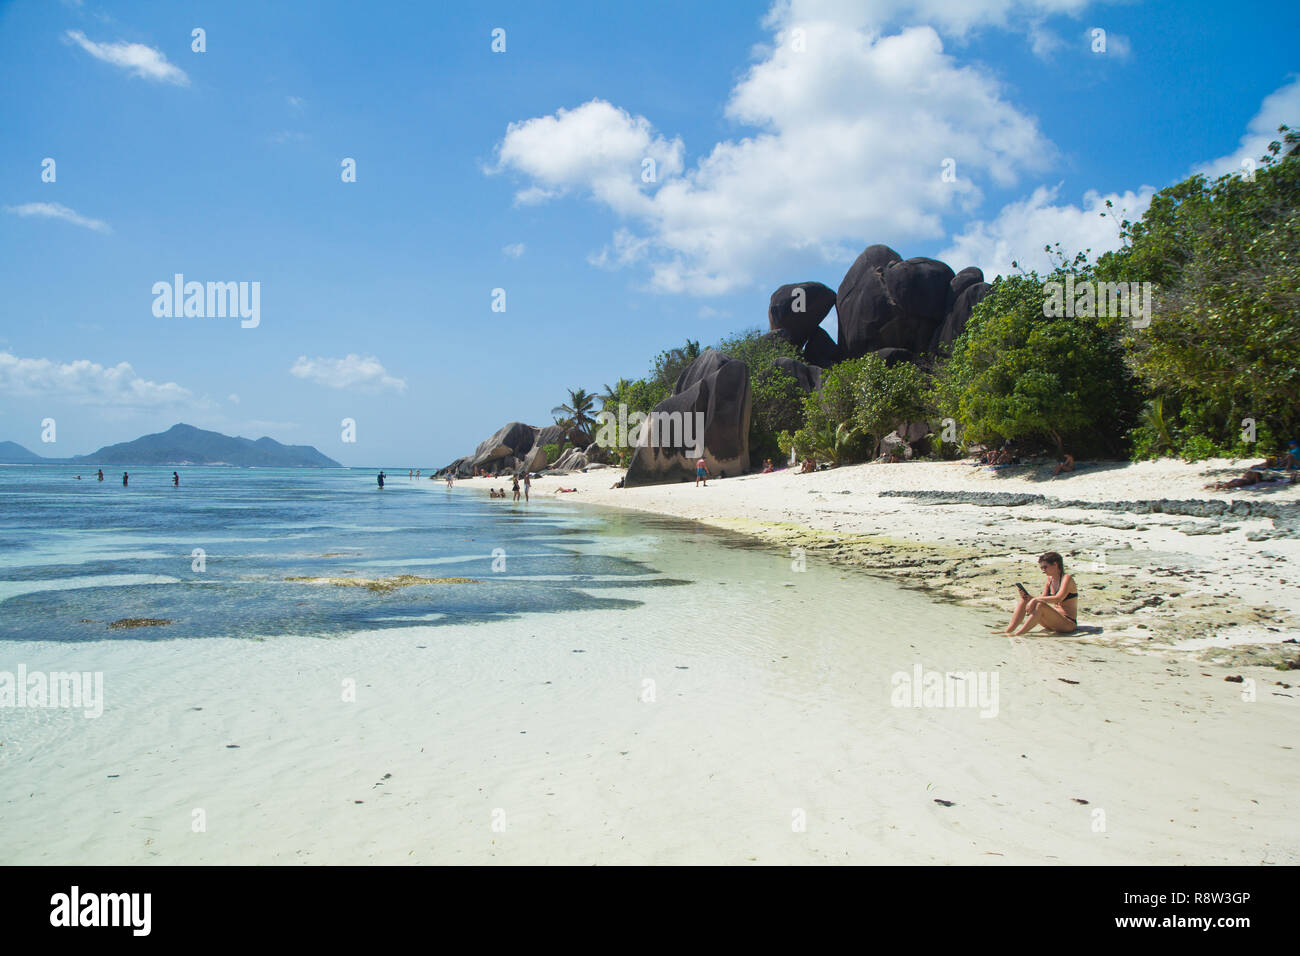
[214, 555]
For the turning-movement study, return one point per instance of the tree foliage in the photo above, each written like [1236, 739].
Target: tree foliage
[1224, 344]
[1018, 374]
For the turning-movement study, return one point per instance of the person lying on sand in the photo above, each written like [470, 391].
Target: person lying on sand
[1251, 477]
[1056, 609]
[561, 490]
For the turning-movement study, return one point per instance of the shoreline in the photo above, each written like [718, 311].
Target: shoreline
[1164, 564]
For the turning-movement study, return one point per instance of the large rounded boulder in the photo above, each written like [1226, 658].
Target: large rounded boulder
[862, 303]
[809, 377]
[954, 323]
[798, 309]
[706, 416]
[821, 350]
[919, 288]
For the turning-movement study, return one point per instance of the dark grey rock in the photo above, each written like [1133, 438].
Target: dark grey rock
[809, 377]
[817, 301]
[718, 386]
[821, 350]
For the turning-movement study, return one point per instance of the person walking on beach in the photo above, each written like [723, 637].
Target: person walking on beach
[515, 486]
[449, 481]
[101, 474]
[125, 479]
[1056, 609]
[528, 485]
[701, 473]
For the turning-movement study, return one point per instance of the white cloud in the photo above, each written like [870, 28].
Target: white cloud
[1279, 107]
[514, 250]
[54, 210]
[1024, 227]
[233, 399]
[295, 102]
[953, 17]
[851, 132]
[366, 373]
[88, 383]
[136, 58]
[596, 148]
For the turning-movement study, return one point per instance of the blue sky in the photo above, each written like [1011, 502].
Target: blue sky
[785, 139]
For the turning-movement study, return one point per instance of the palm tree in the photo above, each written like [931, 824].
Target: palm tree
[612, 396]
[576, 416]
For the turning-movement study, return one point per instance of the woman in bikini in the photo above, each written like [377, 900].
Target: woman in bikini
[1057, 608]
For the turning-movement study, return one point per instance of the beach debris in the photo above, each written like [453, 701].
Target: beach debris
[579, 652]
[380, 585]
[1079, 800]
[1066, 680]
[944, 803]
[1234, 679]
[139, 622]
[232, 746]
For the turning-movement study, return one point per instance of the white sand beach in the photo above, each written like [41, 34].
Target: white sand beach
[1227, 585]
[771, 729]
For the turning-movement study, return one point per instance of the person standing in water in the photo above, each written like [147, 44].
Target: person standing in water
[528, 485]
[125, 479]
[515, 486]
[101, 474]
[176, 479]
[380, 479]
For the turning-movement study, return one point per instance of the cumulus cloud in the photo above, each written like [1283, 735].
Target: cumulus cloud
[88, 383]
[1023, 228]
[1282, 106]
[595, 148]
[852, 129]
[136, 58]
[54, 210]
[365, 373]
[514, 250]
[953, 17]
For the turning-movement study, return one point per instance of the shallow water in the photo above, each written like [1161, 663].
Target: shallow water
[77, 555]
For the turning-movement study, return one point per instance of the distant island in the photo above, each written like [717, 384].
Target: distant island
[184, 445]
